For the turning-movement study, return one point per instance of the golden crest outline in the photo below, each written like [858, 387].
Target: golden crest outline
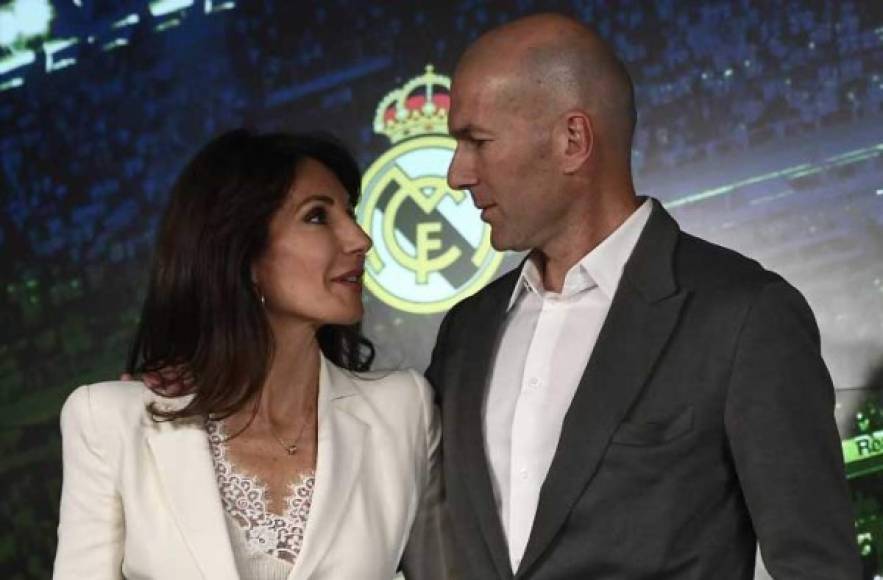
[445, 255]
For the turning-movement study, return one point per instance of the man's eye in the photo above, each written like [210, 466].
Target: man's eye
[317, 216]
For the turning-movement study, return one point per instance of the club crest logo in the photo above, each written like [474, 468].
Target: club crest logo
[431, 248]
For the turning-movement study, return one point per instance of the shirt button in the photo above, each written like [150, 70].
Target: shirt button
[523, 472]
[533, 383]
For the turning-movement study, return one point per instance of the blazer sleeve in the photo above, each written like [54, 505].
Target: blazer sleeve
[426, 555]
[90, 530]
[779, 419]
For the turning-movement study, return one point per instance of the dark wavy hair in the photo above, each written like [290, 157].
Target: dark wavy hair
[203, 330]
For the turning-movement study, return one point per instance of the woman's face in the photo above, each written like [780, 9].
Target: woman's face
[312, 267]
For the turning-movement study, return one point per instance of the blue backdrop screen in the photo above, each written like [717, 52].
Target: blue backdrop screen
[760, 128]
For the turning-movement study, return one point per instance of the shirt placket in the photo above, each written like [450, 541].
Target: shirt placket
[528, 427]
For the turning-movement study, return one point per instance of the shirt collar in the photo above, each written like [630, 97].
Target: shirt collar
[602, 266]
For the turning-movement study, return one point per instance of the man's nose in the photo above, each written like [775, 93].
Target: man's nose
[461, 172]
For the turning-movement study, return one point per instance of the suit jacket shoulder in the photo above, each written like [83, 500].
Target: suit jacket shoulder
[702, 265]
[108, 413]
[108, 399]
[495, 293]
[388, 388]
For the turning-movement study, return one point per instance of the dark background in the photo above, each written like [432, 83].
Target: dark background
[760, 127]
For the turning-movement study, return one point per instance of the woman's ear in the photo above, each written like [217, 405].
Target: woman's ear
[257, 288]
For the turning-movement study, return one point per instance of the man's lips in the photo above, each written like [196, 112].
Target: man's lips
[485, 209]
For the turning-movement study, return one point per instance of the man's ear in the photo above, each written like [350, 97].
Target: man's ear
[579, 137]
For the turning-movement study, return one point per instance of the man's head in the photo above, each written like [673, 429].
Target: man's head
[543, 113]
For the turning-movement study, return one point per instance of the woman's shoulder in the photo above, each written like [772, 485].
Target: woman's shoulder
[109, 403]
[398, 395]
[395, 384]
[116, 395]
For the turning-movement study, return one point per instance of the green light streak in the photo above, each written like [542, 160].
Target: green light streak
[12, 84]
[51, 47]
[728, 188]
[793, 172]
[168, 24]
[16, 59]
[163, 7]
[116, 43]
[210, 6]
[771, 197]
[130, 20]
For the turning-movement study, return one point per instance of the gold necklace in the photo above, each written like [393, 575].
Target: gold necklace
[292, 448]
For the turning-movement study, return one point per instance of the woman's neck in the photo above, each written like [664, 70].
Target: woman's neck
[293, 377]
[290, 389]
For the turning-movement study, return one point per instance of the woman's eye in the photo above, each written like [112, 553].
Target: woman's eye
[317, 216]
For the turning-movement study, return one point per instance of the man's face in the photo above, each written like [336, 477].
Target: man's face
[505, 157]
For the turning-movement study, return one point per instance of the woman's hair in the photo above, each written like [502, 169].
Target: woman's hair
[203, 329]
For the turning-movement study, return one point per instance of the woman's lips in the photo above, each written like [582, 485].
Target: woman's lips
[352, 280]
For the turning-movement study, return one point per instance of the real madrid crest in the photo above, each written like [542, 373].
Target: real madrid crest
[431, 248]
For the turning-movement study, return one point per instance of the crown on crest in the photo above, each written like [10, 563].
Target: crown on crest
[418, 107]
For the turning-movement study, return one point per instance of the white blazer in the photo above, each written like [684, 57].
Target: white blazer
[140, 498]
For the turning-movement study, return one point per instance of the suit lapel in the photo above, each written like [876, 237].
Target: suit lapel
[642, 316]
[340, 449]
[469, 431]
[183, 459]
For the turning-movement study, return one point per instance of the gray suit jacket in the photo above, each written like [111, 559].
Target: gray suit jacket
[702, 424]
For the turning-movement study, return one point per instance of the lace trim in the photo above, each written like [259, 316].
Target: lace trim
[245, 499]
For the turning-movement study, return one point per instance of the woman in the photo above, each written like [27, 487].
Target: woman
[255, 452]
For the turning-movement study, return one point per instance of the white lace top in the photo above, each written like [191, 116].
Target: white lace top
[251, 523]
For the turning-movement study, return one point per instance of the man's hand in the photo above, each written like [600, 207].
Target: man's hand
[168, 381]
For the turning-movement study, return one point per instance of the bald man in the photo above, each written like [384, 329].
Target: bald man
[632, 402]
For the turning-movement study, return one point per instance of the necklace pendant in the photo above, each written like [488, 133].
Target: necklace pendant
[291, 449]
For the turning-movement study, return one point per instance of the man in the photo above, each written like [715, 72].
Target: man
[632, 402]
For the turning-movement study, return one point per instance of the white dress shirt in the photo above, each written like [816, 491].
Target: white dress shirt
[545, 345]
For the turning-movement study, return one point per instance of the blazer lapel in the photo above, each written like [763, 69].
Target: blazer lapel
[468, 432]
[340, 447]
[183, 460]
[644, 312]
